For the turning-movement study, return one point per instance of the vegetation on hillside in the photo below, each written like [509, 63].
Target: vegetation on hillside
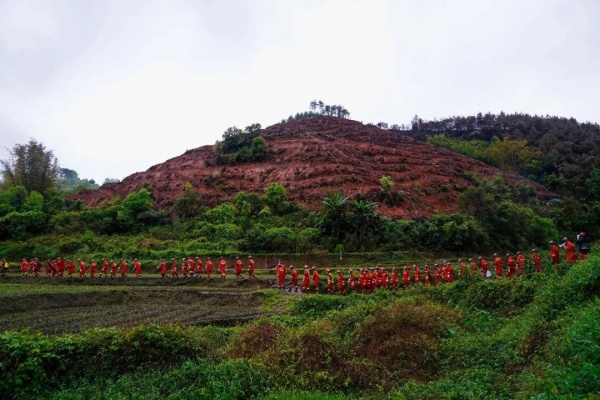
[239, 146]
[561, 153]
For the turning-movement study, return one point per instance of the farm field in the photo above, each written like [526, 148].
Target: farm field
[101, 338]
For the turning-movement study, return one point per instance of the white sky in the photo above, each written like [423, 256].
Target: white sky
[116, 86]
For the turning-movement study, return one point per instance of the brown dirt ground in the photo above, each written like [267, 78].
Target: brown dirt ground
[311, 157]
[56, 313]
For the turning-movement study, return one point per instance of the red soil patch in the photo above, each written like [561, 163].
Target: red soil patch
[311, 157]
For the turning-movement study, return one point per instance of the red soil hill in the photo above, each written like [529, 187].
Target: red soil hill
[311, 157]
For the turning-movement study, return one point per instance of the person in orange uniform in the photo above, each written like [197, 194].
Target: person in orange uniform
[123, 268]
[113, 269]
[24, 267]
[60, 264]
[48, 268]
[427, 275]
[498, 264]
[280, 271]
[36, 267]
[384, 278]
[406, 277]
[438, 274]
[93, 269]
[184, 267]
[394, 279]
[554, 254]
[462, 269]
[198, 267]
[82, 268]
[329, 281]
[473, 267]
[445, 275]
[511, 266]
[417, 274]
[209, 267]
[450, 272]
[174, 268]
[306, 280]
[162, 266]
[362, 278]
[137, 268]
[70, 267]
[238, 268]
[485, 267]
[352, 281]
[294, 279]
[191, 265]
[536, 259]
[251, 268]
[571, 257]
[315, 277]
[341, 284]
[584, 245]
[521, 262]
[223, 268]
[104, 269]
[373, 279]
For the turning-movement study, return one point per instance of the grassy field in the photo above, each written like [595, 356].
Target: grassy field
[154, 338]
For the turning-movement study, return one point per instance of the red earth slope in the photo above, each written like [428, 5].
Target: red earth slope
[311, 157]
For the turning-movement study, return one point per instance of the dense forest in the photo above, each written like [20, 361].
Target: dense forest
[564, 155]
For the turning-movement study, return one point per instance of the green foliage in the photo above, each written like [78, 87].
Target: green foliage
[14, 198]
[32, 166]
[512, 154]
[34, 202]
[477, 149]
[335, 218]
[508, 224]
[69, 182]
[276, 198]
[189, 205]
[239, 146]
[134, 209]
[387, 183]
[20, 225]
[565, 152]
[593, 184]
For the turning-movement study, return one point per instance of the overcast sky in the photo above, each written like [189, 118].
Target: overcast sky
[116, 86]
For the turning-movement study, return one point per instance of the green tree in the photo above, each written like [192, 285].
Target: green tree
[593, 184]
[14, 198]
[387, 183]
[188, 205]
[32, 166]
[366, 219]
[335, 218]
[276, 197]
[511, 154]
[34, 202]
[134, 209]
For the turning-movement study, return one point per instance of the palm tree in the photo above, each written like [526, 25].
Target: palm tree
[366, 218]
[335, 216]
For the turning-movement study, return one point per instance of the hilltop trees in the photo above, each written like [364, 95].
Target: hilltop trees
[32, 166]
[326, 109]
[240, 146]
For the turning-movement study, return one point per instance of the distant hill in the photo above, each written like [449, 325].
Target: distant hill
[313, 156]
[570, 150]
